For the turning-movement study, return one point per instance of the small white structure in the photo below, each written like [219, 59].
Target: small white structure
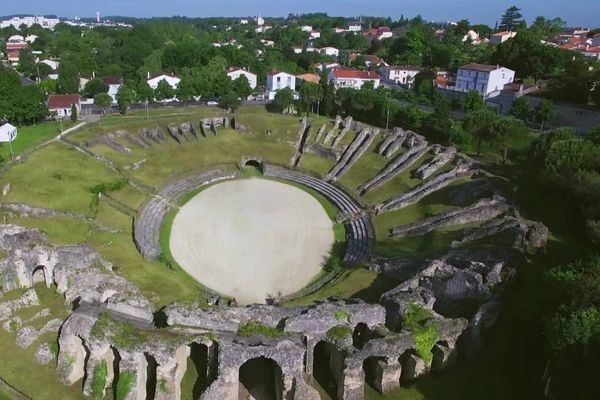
[277, 80]
[8, 133]
[297, 50]
[306, 28]
[16, 38]
[352, 78]
[327, 67]
[484, 79]
[339, 30]
[244, 21]
[29, 21]
[260, 21]
[315, 34]
[171, 79]
[355, 26]
[501, 37]
[114, 83]
[399, 74]
[51, 63]
[330, 51]
[31, 38]
[267, 43]
[235, 72]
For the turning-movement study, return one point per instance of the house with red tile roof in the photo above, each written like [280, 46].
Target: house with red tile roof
[60, 104]
[501, 37]
[352, 78]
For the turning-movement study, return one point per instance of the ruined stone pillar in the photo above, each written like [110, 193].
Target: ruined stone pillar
[352, 384]
[387, 375]
[97, 356]
[71, 359]
[169, 374]
[133, 365]
[442, 355]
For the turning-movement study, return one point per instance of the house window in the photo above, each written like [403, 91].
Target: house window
[278, 79]
[289, 81]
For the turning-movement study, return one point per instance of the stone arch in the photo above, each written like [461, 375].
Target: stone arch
[441, 354]
[253, 163]
[328, 368]
[361, 335]
[260, 378]
[200, 371]
[374, 368]
[40, 274]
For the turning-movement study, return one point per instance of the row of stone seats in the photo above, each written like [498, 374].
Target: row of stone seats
[147, 225]
[359, 231]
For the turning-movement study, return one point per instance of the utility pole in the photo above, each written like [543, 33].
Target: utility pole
[387, 121]
[147, 112]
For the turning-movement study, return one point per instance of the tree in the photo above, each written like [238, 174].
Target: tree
[521, 109]
[310, 93]
[230, 102]
[241, 86]
[125, 96]
[164, 91]
[594, 135]
[185, 90]
[504, 131]
[26, 62]
[544, 112]
[103, 100]
[68, 78]
[511, 20]
[473, 102]
[284, 98]
[480, 124]
[73, 113]
[144, 92]
[94, 87]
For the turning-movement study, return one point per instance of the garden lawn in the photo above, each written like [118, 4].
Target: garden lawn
[30, 136]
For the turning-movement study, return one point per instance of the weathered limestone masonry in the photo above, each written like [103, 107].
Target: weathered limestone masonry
[147, 225]
[461, 170]
[483, 210]
[303, 138]
[353, 153]
[442, 158]
[359, 229]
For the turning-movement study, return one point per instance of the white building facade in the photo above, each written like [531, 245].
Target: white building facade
[399, 74]
[277, 80]
[235, 72]
[172, 80]
[484, 79]
[354, 79]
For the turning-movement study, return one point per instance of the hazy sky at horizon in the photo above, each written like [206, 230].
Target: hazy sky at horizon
[575, 12]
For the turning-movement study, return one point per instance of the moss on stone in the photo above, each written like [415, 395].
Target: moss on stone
[256, 328]
[419, 322]
[339, 332]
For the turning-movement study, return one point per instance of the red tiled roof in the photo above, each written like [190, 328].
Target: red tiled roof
[112, 80]
[310, 78]
[355, 74]
[501, 33]
[63, 100]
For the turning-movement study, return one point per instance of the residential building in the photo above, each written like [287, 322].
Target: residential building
[352, 78]
[370, 60]
[327, 66]
[267, 43]
[297, 50]
[60, 104]
[501, 37]
[339, 30]
[399, 74]
[306, 28]
[31, 38]
[484, 79]
[315, 34]
[29, 21]
[114, 84]
[14, 47]
[235, 72]
[330, 51]
[596, 40]
[260, 21]
[355, 26]
[244, 21]
[379, 33]
[51, 63]
[171, 79]
[277, 80]
[313, 78]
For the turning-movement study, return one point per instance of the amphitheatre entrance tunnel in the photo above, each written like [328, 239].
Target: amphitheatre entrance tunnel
[260, 379]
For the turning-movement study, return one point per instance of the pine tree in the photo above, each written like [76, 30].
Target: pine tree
[511, 19]
[73, 112]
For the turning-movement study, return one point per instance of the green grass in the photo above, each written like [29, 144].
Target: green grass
[124, 384]
[30, 136]
[256, 328]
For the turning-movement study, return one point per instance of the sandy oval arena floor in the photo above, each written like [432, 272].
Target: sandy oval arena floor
[251, 239]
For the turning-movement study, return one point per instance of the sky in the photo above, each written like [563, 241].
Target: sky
[575, 12]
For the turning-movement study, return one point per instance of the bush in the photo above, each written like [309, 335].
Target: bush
[256, 328]
[99, 380]
[107, 187]
[124, 385]
[418, 321]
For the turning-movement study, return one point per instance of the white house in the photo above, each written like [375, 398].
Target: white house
[235, 72]
[352, 78]
[327, 66]
[60, 104]
[51, 63]
[399, 74]
[297, 50]
[339, 30]
[260, 21]
[277, 80]
[267, 43]
[330, 51]
[315, 34]
[306, 28]
[355, 26]
[114, 84]
[501, 37]
[244, 21]
[484, 79]
[31, 38]
[171, 79]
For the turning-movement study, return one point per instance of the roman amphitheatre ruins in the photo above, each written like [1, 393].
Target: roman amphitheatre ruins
[199, 255]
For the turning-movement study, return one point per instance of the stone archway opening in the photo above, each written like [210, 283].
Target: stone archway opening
[252, 168]
[412, 366]
[260, 379]
[361, 335]
[151, 366]
[328, 368]
[39, 275]
[200, 371]
[374, 368]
